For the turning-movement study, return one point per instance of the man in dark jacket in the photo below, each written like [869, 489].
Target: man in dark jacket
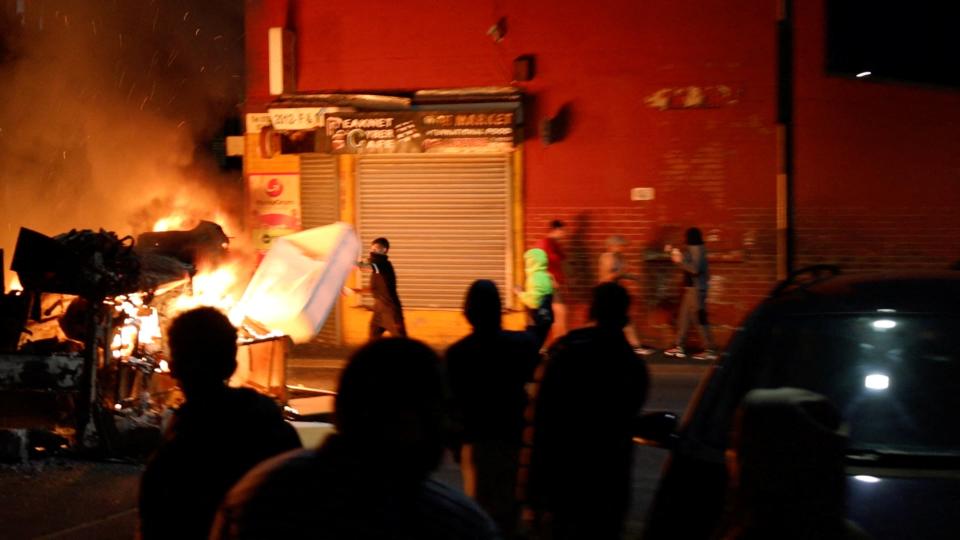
[488, 372]
[218, 435]
[387, 310]
[593, 387]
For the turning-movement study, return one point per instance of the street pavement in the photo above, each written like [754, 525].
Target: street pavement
[58, 498]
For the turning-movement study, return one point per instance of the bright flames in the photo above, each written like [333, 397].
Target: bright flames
[14, 283]
[170, 223]
[213, 288]
[138, 338]
[181, 221]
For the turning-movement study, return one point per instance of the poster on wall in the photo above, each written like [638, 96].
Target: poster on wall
[275, 207]
[404, 132]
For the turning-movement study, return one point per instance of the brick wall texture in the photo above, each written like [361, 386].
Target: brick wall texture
[742, 255]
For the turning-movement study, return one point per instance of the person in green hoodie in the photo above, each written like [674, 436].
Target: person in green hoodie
[537, 294]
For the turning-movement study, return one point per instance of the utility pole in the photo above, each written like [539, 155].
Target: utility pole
[786, 248]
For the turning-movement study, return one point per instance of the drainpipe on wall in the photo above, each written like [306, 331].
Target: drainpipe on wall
[785, 204]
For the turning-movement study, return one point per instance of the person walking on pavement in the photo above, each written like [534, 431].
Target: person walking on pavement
[537, 295]
[387, 309]
[613, 269]
[693, 305]
[488, 372]
[592, 389]
[552, 245]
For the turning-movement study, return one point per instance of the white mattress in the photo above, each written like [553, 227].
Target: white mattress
[299, 280]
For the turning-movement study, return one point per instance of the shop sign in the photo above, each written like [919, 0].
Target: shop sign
[420, 131]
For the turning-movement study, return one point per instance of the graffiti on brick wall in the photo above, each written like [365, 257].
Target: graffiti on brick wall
[692, 97]
[741, 244]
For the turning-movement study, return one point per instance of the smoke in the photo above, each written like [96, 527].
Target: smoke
[106, 109]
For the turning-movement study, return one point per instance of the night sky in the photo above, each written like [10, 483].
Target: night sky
[898, 42]
[107, 110]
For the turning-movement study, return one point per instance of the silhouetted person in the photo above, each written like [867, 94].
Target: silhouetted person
[488, 371]
[786, 463]
[371, 479]
[593, 387]
[218, 435]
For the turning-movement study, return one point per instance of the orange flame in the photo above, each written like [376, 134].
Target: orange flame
[141, 327]
[214, 288]
[182, 220]
[14, 283]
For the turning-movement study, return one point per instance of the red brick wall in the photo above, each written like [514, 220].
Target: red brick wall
[865, 239]
[742, 262]
[605, 60]
[878, 166]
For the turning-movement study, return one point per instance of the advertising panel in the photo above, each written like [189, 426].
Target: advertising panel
[275, 207]
[418, 132]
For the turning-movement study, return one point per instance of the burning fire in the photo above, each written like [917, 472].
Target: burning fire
[138, 336]
[171, 223]
[213, 287]
[182, 221]
[14, 283]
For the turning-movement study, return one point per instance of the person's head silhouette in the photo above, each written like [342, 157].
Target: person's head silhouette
[482, 306]
[786, 458]
[390, 407]
[203, 350]
[694, 237]
[610, 305]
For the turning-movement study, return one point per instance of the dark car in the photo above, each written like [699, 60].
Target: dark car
[886, 351]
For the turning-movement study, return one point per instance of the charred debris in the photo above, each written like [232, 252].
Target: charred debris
[82, 366]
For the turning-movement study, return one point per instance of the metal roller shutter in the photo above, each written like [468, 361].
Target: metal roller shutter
[447, 218]
[320, 205]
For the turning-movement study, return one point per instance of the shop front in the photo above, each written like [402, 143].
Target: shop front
[443, 185]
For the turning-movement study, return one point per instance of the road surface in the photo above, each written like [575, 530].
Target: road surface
[68, 499]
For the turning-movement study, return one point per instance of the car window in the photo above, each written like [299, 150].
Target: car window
[892, 376]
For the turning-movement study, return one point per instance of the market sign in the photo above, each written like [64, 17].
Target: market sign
[420, 131]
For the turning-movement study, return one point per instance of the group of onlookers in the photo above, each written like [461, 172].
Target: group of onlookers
[543, 434]
[398, 408]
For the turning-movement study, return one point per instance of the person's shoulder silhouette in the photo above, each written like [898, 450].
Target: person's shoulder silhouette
[372, 478]
[218, 434]
[786, 463]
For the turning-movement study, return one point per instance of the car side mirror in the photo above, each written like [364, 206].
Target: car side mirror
[655, 429]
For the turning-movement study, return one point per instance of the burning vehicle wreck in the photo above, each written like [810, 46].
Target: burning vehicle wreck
[82, 359]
